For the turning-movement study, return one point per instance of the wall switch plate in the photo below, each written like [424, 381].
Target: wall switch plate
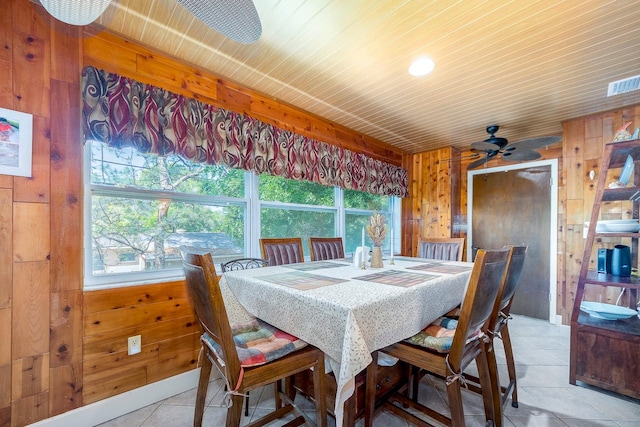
[134, 344]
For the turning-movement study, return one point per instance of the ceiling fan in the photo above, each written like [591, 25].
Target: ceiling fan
[236, 19]
[518, 151]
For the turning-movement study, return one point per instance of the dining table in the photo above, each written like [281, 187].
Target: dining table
[346, 311]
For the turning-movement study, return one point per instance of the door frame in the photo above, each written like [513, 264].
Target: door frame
[553, 223]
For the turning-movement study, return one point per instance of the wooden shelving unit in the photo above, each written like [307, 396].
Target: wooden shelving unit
[606, 353]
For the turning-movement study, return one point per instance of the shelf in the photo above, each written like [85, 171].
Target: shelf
[620, 151]
[600, 346]
[615, 194]
[629, 326]
[602, 279]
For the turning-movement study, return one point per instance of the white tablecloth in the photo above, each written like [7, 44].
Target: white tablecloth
[351, 319]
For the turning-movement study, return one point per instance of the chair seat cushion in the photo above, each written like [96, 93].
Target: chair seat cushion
[438, 336]
[257, 343]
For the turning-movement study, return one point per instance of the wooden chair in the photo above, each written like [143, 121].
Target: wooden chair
[449, 249]
[470, 342]
[282, 251]
[499, 326]
[243, 264]
[323, 248]
[244, 369]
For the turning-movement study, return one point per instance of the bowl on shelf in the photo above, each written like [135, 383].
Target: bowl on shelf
[617, 226]
[601, 310]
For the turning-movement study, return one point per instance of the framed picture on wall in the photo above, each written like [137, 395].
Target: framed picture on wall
[16, 130]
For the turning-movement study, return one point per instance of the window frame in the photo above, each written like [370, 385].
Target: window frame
[252, 224]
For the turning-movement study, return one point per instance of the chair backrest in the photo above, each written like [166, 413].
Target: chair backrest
[487, 278]
[282, 251]
[450, 249]
[326, 248]
[243, 264]
[512, 281]
[205, 295]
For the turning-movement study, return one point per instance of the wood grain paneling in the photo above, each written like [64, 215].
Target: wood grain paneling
[6, 92]
[144, 314]
[6, 246]
[30, 323]
[115, 383]
[30, 375]
[66, 194]
[66, 52]
[36, 188]
[29, 409]
[128, 296]
[115, 341]
[5, 333]
[65, 339]
[174, 365]
[6, 39]
[66, 380]
[31, 52]
[31, 233]
[5, 388]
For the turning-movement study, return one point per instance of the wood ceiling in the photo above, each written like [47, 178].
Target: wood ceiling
[525, 65]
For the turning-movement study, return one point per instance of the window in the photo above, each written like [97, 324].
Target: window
[358, 208]
[141, 208]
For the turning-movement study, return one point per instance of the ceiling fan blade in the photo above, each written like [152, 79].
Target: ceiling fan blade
[485, 146]
[466, 156]
[236, 19]
[520, 155]
[533, 143]
[480, 162]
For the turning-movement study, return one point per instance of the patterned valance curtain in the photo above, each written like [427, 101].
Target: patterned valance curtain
[125, 113]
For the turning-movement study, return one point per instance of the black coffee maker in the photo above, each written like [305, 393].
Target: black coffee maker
[616, 261]
[621, 261]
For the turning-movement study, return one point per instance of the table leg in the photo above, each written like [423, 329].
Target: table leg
[370, 391]
[349, 416]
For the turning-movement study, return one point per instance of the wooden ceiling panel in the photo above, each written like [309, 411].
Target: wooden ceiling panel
[525, 65]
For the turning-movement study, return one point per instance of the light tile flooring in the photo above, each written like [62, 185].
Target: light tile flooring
[546, 399]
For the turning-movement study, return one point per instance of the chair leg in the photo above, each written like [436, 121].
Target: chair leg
[454, 396]
[320, 390]
[234, 413]
[203, 385]
[511, 364]
[246, 405]
[492, 365]
[489, 386]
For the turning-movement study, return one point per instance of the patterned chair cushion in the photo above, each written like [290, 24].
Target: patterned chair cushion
[438, 336]
[257, 343]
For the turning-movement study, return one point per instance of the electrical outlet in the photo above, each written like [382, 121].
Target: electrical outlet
[134, 344]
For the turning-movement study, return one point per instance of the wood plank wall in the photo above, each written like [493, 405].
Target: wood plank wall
[40, 219]
[434, 204]
[44, 314]
[45, 317]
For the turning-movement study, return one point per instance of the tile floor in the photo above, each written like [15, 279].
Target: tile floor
[546, 399]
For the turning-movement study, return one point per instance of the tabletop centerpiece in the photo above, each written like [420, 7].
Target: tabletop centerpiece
[377, 230]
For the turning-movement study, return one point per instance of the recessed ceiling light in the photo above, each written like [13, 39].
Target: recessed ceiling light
[421, 66]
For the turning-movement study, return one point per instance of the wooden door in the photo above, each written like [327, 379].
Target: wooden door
[514, 207]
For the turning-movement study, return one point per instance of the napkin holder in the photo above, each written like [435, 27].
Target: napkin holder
[360, 256]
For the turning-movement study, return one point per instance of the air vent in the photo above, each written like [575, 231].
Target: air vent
[624, 86]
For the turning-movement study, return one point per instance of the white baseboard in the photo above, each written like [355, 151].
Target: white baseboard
[113, 407]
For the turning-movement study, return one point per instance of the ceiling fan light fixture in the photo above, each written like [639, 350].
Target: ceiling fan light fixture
[75, 12]
[421, 66]
[236, 19]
